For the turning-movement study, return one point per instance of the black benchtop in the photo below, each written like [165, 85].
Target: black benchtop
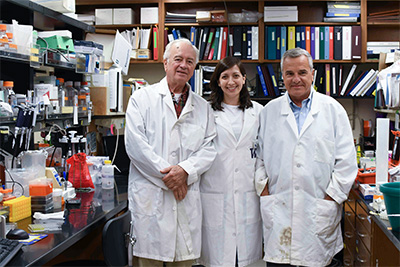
[94, 211]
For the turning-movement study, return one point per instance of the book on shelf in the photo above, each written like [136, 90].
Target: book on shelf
[262, 80]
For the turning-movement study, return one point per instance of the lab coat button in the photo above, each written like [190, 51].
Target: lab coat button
[298, 165]
[174, 208]
[173, 154]
[296, 187]
[236, 170]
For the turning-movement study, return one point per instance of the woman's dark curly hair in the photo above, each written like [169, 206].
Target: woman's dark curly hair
[217, 95]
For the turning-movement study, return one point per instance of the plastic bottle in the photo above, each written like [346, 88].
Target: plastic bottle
[84, 93]
[3, 37]
[107, 175]
[71, 92]
[81, 98]
[9, 92]
[62, 94]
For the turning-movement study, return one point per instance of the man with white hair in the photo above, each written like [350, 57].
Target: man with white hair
[168, 137]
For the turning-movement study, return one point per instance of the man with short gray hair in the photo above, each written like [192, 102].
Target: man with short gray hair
[305, 169]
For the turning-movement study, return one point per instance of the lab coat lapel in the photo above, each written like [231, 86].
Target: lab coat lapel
[249, 119]
[288, 113]
[221, 119]
[315, 108]
[164, 91]
[189, 104]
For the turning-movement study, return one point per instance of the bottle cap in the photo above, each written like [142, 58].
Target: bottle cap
[8, 84]
[107, 162]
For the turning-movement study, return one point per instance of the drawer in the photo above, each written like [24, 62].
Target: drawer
[348, 258]
[362, 256]
[363, 235]
[350, 214]
[349, 236]
[363, 218]
[351, 201]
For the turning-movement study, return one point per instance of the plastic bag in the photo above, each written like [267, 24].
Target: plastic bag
[78, 173]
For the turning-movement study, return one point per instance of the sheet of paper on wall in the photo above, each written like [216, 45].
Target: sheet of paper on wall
[106, 40]
[121, 53]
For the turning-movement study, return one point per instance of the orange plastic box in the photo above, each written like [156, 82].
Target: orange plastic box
[366, 178]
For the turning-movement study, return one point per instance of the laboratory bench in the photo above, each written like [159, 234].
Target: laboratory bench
[80, 237]
[368, 240]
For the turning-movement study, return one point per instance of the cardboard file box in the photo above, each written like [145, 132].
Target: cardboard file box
[104, 16]
[141, 54]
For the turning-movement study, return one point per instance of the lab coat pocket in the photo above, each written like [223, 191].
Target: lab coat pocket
[327, 216]
[146, 198]
[213, 209]
[267, 210]
[324, 150]
[252, 208]
[192, 137]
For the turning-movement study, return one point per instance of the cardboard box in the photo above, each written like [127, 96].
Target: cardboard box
[100, 100]
[148, 15]
[122, 16]
[367, 191]
[141, 54]
[104, 16]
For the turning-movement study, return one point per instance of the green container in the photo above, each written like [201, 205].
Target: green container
[391, 194]
[62, 43]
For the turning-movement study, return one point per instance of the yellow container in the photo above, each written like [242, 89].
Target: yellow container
[20, 208]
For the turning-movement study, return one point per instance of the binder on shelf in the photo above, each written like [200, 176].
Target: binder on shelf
[272, 42]
[273, 79]
[268, 81]
[165, 37]
[340, 79]
[175, 34]
[224, 42]
[283, 40]
[237, 41]
[319, 74]
[335, 79]
[331, 43]
[349, 76]
[346, 45]
[244, 42]
[327, 79]
[303, 37]
[312, 47]
[221, 33]
[193, 35]
[203, 42]
[155, 43]
[317, 42]
[321, 42]
[337, 43]
[291, 37]
[355, 42]
[308, 39]
[254, 42]
[361, 84]
[278, 42]
[249, 43]
[262, 80]
[327, 42]
[331, 14]
[355, 82]
[230, 42]
[370, 85]
[214, 45]
[210, 39]
[298, 36]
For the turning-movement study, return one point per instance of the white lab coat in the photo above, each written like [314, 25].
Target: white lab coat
[300, 227]
[231, 214]
[166, 230]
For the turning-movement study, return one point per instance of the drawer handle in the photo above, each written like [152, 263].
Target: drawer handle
[348, 235]
[361, 217]
[361, 234]
[350, 199]
[361, 260]
[347, 262]
[348, 213]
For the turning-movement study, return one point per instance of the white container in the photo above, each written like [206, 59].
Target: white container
[107, 175]
[57, 198]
